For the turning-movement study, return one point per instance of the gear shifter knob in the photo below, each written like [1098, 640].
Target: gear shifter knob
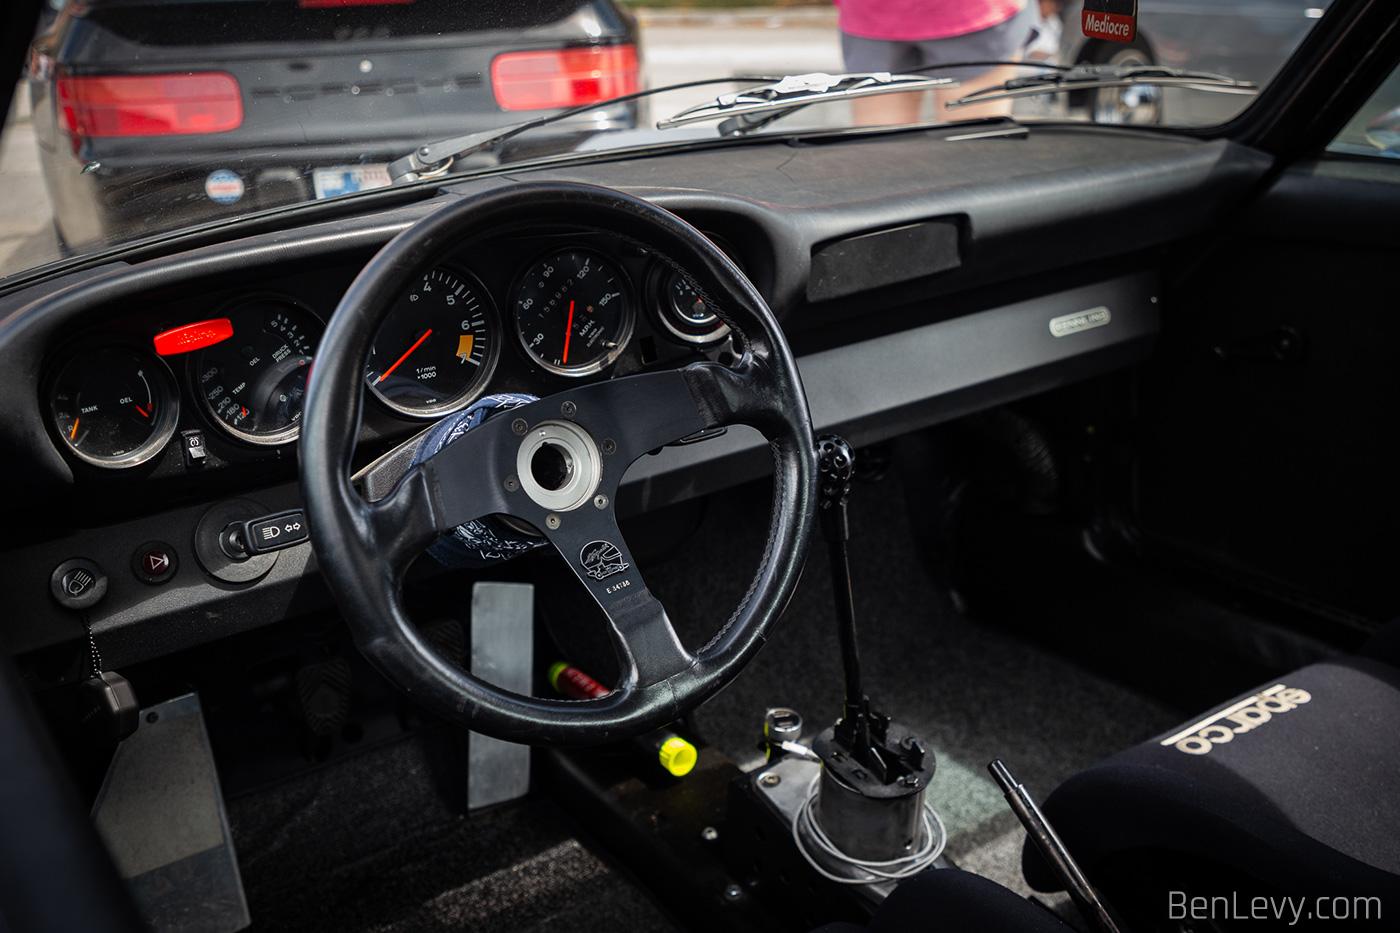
[835, 467]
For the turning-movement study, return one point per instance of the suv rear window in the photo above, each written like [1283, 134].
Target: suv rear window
[225, 21]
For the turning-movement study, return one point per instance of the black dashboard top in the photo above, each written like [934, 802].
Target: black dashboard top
[1000, 235]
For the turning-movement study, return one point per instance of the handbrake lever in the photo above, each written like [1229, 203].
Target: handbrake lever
[1047, 843]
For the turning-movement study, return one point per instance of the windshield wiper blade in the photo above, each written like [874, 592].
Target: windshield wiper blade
[436, 158]
[755, 107]
[1092, 77]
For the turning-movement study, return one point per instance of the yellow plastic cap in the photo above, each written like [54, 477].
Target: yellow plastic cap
[555, 670]
[677, 756]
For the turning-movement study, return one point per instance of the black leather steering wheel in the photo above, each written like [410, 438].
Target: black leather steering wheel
[364, 548]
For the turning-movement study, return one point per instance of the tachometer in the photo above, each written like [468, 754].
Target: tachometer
[114, 406]
[436, 349]
[253, 383]
[573, 312]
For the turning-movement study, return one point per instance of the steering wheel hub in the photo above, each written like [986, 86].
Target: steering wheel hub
[559, 466]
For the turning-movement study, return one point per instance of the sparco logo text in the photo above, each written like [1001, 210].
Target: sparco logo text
[1244, 716]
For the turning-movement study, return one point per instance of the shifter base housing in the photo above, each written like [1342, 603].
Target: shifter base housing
[866, 815]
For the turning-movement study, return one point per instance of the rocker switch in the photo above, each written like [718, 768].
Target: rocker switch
[274, 532]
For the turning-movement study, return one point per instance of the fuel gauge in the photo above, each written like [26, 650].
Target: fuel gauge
[114, 406]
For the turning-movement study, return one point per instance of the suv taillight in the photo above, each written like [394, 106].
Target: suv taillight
[549, 80]
[149, 105]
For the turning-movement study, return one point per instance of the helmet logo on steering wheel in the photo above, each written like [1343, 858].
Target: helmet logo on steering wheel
[601, 559]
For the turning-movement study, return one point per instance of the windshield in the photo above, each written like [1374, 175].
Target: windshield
[141, 117]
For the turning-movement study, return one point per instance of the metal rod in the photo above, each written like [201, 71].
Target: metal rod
[846, 624]
[1052, 849]
[836, 466]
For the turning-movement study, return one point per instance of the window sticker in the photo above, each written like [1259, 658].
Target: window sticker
[1114, 20]
[223, 186]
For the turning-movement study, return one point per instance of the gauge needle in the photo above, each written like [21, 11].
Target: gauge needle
[74, 433]
[141, 410]
[568, 329]
[384, 375]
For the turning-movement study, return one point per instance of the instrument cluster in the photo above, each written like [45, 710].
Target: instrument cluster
[523, 317]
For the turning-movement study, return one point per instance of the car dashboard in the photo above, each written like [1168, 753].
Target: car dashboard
[917, 276]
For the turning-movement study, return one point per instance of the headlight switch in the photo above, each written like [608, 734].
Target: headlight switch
[272, 532]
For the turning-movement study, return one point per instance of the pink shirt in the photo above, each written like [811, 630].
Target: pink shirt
[922, 19]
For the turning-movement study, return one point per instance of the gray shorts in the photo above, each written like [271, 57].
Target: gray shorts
[1002, 42]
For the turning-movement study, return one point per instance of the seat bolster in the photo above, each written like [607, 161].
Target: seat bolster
[1115, 808]
[1295, 784]
[954, 900]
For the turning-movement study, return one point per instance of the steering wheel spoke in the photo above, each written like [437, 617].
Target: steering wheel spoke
[726, 396]
[630, 416]
[592, 545]
[463, 481]
[404, 523]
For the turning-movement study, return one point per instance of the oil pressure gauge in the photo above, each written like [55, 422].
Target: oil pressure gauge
[253, 382]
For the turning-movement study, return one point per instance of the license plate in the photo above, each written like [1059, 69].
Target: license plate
[347, 179]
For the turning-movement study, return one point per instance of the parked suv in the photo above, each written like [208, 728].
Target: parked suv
[142, 130]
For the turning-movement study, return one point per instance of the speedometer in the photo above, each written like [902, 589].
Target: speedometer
[253, 383]
[573, 312]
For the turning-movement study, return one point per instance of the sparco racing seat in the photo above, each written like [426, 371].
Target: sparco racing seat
[952, 901]
[1291, 791]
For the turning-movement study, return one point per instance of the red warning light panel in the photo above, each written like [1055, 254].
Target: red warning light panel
[193, 336]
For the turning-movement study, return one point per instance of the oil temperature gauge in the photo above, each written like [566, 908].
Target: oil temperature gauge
[114, 406]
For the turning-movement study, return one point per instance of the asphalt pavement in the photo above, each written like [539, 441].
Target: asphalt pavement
[26, 230]
[677, 46]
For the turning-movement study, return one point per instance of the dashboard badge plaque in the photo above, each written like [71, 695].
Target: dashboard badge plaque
[601, 559]
[1068, 324]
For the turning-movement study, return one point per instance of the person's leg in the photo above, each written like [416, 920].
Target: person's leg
[1004, 42]
[888, 109]
[877, 55]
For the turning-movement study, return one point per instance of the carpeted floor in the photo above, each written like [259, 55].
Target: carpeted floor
[379, 843]
[973, 692]
[398, 853]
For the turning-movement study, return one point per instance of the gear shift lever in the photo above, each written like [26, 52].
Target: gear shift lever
[874, 770]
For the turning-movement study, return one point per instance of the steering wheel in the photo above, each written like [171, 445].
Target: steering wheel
[363, 548]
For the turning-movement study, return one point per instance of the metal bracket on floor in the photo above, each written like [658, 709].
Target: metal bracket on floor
[503, 647]
[161, 813]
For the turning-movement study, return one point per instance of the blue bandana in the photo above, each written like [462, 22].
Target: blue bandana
[483, 541]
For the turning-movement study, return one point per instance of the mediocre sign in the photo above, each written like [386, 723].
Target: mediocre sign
[1114, 20]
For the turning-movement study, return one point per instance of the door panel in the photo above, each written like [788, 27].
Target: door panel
[1270, 416]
